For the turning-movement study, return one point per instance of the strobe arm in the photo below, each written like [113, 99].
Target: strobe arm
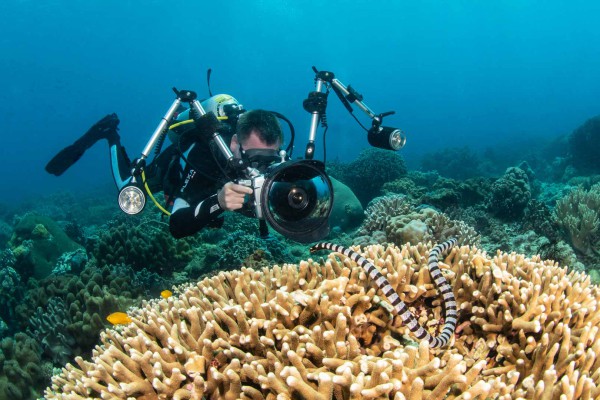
[379, 136]
[237, 163]
[316, 104]
[384, 137]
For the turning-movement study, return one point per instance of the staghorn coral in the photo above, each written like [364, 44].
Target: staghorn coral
[408, 319]
[527, 329]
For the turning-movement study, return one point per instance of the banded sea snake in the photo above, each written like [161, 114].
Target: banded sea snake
[408, 318]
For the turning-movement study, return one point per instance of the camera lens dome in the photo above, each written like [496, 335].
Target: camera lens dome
[297, 198]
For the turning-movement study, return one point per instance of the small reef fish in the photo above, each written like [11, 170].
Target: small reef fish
[165, 294]
[118, 318]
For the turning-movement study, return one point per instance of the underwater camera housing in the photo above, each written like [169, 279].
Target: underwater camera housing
[295, 198]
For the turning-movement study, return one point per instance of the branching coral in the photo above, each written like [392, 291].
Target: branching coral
[49, 327]
[380, 210]
[20, 370]
[527, 329]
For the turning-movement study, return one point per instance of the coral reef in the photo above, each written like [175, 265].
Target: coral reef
[456, 163]
[241, 248]
[71, 262]
[90, 297]
[369, 172]
[527, 329]
[11, 292]
[443, 193]
[50, 327]
[393, 219]
[37, 243]
[6, 232]
[381, 209]
[584, 146]
[578, 213]
[20, 368]
[510, 195]
[143, 243]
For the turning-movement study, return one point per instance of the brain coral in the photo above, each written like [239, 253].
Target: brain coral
[527, 329]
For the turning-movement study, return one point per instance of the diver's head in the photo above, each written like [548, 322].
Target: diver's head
[224, 106]
[263, 123]
[258, 137]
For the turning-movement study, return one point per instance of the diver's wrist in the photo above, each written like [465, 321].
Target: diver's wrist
[208, 207]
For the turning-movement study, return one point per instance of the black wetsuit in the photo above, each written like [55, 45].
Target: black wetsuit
[192, 180]
[202, 176]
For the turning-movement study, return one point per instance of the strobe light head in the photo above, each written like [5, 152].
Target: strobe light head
[297, 198]
[386, 137]
[132, 200]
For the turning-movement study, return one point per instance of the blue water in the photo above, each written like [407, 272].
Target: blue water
[456, 73]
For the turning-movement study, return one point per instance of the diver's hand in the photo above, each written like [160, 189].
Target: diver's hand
[231, 197]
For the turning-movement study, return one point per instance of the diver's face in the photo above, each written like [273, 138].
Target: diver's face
[252, 142]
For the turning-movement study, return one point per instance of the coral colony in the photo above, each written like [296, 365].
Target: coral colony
[473, 277]
[526, 329]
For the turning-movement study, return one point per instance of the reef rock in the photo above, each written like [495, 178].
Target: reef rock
[347, 212]
[37, 244]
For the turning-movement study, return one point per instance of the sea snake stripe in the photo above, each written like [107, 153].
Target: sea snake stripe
[408, 318]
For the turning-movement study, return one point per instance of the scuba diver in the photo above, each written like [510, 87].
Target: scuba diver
[223, 158]
[192, 174]
[204, 194]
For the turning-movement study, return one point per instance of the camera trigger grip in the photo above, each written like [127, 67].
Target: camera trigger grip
[244, 182]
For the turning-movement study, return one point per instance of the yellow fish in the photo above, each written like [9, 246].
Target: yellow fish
[165, 294]
[118, 318]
